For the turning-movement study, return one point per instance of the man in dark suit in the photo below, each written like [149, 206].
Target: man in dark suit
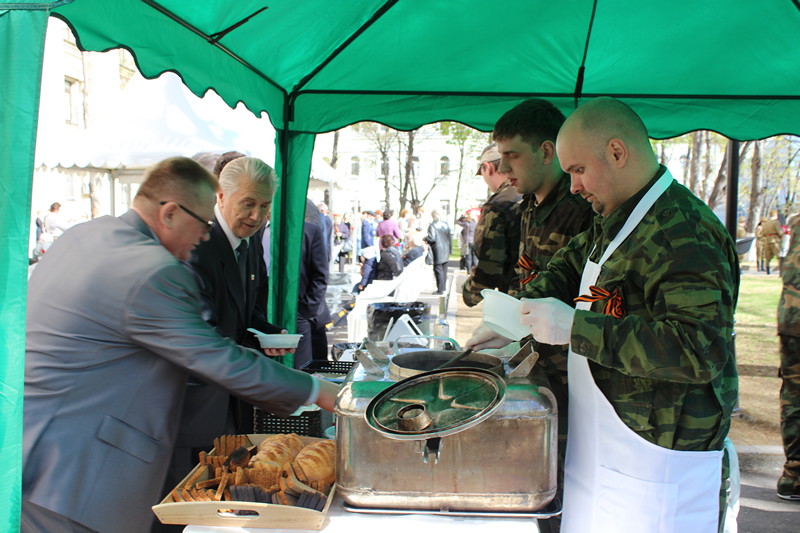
[312, 310]
[230, 272]
[114, 327]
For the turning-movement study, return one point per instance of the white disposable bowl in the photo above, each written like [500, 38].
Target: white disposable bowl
[278, 340]
[501, 314]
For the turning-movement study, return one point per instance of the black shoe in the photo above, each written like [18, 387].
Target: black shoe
[789, 489]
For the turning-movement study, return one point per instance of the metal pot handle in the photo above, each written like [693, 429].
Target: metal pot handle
[396, 342]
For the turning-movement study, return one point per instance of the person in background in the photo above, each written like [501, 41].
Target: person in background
[312, 309]
[771, 234]
[367, 230]
[468, 223]
[54, 222]
[327, 228]
[403, 222]
[652, 375]
[114, 328]
[368, 258]
[391, 263]
[440, 240]
[415, 248]
[789, 333]
[389, 227]
[497, 239]
[341, 240]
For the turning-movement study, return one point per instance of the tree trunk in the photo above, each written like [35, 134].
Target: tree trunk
[706, 173]
[461, 149]
[335, 154]
[756, 189]
[720, 183]
[694, 162]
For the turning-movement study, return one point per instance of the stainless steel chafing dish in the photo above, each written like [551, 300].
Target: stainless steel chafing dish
[479, 438]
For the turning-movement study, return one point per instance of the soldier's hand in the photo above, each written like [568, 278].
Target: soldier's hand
[484, 338]
[549, 319]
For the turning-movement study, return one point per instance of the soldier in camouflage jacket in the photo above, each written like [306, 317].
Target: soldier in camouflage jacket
[789, 331]
[496, 235]
[665, 360]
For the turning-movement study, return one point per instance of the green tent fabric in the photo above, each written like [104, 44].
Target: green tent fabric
[730, 66]
[21, 51]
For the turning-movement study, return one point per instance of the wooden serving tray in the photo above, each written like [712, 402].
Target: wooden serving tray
[228, 513]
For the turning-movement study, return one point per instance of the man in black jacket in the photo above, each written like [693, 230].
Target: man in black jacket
[440, 239]
[232, 277]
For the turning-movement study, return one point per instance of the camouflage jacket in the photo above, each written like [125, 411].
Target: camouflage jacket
[789, 306]
[496, 245]
[666, 362]
[547, 227]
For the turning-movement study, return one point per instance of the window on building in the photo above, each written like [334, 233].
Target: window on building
[355, 166]
[73, 105]
[415, 165]
[444, 165]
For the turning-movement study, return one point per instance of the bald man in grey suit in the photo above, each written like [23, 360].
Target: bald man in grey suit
[114, 325]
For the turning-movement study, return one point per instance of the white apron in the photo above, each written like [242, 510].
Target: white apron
[615, 481]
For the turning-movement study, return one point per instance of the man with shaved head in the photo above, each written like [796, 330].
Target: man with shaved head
[652, 377]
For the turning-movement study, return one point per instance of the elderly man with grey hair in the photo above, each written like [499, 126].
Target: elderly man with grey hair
[232, 277]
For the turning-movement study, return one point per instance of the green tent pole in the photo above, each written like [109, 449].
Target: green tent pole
[293, 166]
[22, 35]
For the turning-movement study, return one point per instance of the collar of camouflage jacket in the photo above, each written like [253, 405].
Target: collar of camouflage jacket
[611, 224]
[542, 211]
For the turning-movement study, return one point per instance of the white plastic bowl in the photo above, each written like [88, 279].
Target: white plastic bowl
[278, 340]
[501, 314]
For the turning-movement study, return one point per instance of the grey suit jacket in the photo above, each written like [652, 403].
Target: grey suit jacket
[113, 327]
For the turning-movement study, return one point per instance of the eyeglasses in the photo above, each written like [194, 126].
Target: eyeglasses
[208, 223]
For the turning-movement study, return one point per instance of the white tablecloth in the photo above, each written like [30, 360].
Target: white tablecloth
[342, 521]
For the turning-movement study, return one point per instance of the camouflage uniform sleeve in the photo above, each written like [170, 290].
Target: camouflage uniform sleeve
[679, 290]
[496, 247]
[789, 305]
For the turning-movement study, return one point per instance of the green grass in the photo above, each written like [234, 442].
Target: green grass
[756, 320]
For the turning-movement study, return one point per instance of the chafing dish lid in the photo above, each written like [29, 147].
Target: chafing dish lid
[436, 404]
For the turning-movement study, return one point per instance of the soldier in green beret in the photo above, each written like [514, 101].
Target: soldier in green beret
[789, 332]
[645, 301]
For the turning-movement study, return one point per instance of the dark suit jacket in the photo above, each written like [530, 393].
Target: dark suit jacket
[114, 326]
[313, 281]
[230, 309]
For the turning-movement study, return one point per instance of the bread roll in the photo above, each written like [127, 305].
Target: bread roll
[316, 463]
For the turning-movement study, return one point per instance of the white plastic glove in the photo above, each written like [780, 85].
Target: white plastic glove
[484, 338]
[549, 319]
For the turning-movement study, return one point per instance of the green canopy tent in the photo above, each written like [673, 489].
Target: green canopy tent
[315, 66]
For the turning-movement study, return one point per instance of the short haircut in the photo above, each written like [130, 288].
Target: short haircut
[607, 118]
[55, 206]
[250, 168]
[176, 179]
[224, 159]
[387, 214]
[388, 240]
[535, 120]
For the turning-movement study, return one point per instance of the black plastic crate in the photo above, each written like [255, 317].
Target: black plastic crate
[318, 366]
[307, 423]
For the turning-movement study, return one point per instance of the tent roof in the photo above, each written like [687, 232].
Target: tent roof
[727, 66]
